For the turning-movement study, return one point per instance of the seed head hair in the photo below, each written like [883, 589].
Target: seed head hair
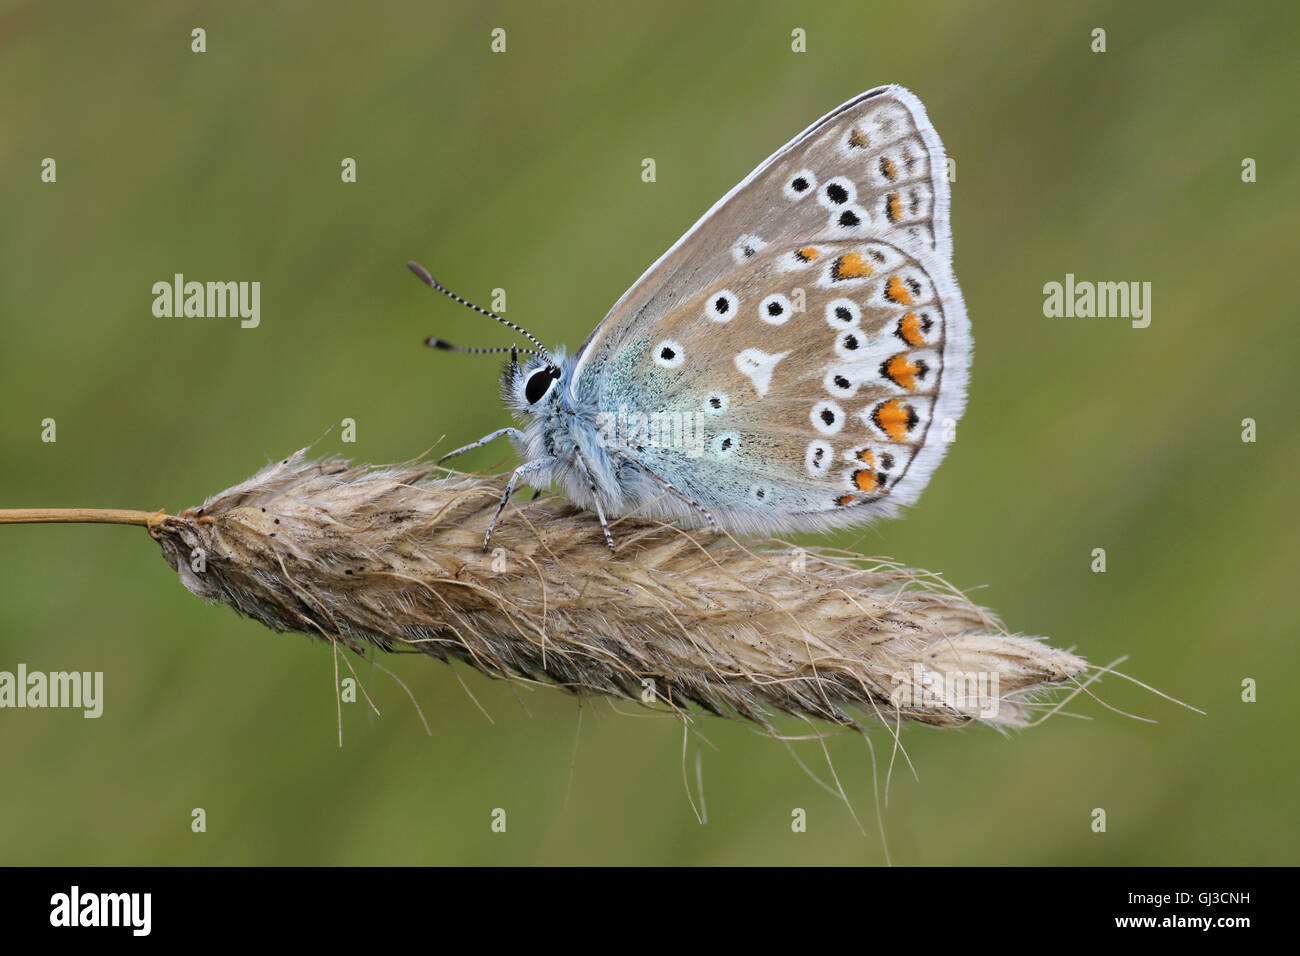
[391, 557]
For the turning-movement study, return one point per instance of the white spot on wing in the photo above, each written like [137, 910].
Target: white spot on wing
[775, 309]
[747, 246]
[819, 457]
[789, 261]
[827, 417]
[850, 343]
[721, 306]
[837, 192]
[843, 313]
[850, 221]
[758, 366]
[887, 124]
[805, 178]
[668, 354]
[725, 445]
[840, 383]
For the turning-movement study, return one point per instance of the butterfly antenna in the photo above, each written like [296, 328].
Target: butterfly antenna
[423, 274]
[437, 343]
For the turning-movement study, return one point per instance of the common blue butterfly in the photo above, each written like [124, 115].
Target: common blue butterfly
[798, 360]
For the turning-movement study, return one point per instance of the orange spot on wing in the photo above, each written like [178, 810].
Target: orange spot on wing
[893, 419]
[888, 167]
[866, 480]
[851, 265]
[808, 254]
[897, 291]
[902, 370]
[843, 500]
[894, 210]
[909, 327]
[867, 458]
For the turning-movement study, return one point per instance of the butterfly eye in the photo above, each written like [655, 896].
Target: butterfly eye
[539, 383]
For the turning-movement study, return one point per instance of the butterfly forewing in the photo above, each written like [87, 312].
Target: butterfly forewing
[811, 325]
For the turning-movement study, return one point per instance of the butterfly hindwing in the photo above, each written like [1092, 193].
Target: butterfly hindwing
[809, 322]
[802, 405]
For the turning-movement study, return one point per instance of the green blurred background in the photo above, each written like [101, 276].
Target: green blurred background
[522, 171]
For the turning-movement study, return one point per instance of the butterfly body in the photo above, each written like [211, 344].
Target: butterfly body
[797, 361]
[568, 441]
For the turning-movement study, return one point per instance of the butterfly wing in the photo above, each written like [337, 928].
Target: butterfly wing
[812, 323]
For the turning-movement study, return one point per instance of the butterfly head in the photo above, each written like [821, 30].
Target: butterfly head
[534, 385]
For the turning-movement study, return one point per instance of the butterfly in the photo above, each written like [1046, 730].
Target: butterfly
[797, 361]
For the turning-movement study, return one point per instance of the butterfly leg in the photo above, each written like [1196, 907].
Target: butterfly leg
[512, 432]
[527, 468]
[673, 489]
[600, 512]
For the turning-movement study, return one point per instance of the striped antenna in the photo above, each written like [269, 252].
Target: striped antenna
[437, 343]
[433, 283]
